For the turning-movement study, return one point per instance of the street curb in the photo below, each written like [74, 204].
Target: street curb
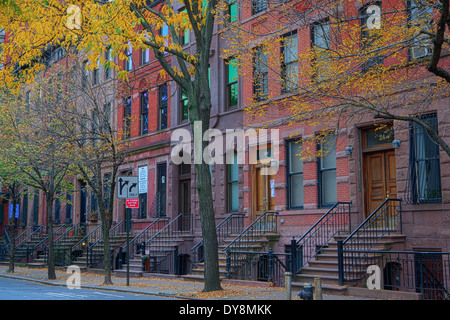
[158, 294]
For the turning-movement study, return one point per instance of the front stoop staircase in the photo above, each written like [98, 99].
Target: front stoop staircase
[257, 237]
[317, 250]
[156, 249]
[258, 245]
[325, 264]
[29, 238]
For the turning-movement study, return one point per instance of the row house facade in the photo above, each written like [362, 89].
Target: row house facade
[361, 168]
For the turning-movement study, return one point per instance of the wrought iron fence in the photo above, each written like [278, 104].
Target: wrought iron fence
[96, 250]
[386, 219]
[258, 266]
[232, 224]
[427, 273]
[335, 221]
[264, 224]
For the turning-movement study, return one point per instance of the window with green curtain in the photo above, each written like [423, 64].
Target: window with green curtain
[233, 184]
[232, 83]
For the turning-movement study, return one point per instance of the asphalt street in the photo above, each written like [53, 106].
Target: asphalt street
[13, 289]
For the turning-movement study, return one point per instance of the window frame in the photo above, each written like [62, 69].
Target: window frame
[289, 174]
[163, 105]
[231, 183]
[144, 127]
[320, 172]
[365, 36]
[414, 178]
[260, 71]
[287, 77]
[127, 102]
[230, 84]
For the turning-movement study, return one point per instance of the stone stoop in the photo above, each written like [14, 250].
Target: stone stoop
[325, 266]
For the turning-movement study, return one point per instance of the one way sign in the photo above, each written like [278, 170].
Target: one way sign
[127, 187]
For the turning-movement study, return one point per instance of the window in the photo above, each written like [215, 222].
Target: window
[127, 117]
[260, 74]
[289, 65]
[320, 43]
[68, 208]
[232, 11]
[145, 56]
[424, 163]
[108, 59]
[232, 83]
[258, 6]
[96, 73]
[142, 211]
[370, 37]
[144, 112]
[327, 171]
[165, 34]
[184, 111]
[295, 174]
[84, 75]
[184, 36]
[233, 184]
[418, 16]
[25, 209]
[129, 59]
[163, 99]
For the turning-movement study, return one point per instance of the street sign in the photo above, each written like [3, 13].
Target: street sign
[127, 187]
[132, 203]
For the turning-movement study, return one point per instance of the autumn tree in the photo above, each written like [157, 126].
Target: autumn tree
[29, 145]
[385, 59]
[14, 182]
[98, 150]
[91, 26]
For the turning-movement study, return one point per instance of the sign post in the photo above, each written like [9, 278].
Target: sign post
[128, 188]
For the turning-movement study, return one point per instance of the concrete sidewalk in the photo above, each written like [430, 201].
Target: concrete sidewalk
[164, 286]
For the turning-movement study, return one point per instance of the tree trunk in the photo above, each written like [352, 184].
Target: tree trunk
[12, 235]
[207, 215]
[106, 252]
[51, 252]
[208, 222]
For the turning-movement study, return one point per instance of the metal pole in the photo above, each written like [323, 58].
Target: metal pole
[340, 262]
[127, 214]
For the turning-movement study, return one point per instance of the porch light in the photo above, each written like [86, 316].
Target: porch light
[396, 143]
[348, 150]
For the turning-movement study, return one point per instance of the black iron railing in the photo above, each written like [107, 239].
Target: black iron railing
[258, 266]
[264, 224]
[62, 243]
[427, 273]
[162, 247]
[78, 249]
[138, 243]
[96, 250]
[33, 252]
[4, 247]
[232, 224]
[335, 221]
[30, 233]
[386, 219]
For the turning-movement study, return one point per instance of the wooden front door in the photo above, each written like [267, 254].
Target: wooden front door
[264, 199]
[380, 178]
